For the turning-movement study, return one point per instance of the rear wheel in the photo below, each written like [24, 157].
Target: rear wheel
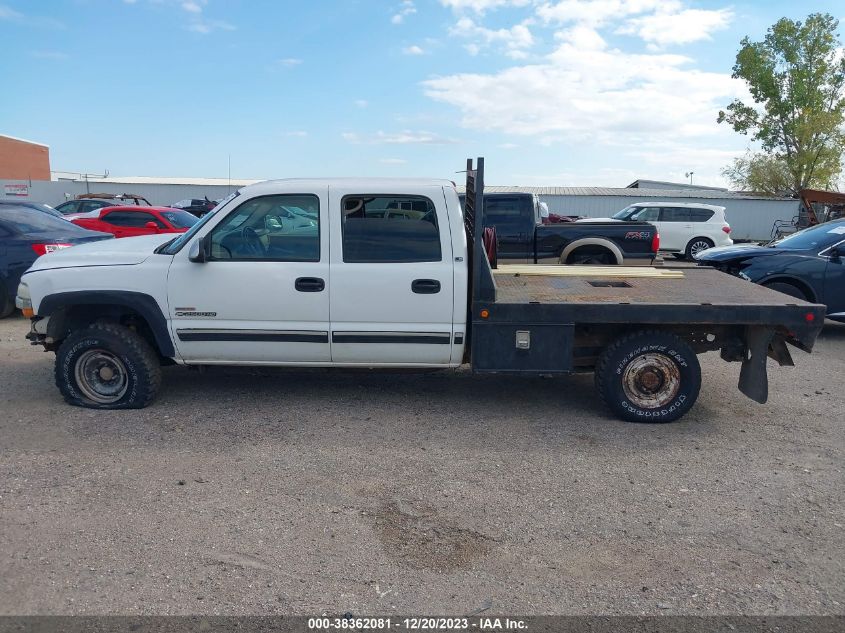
[593, 256]
[107, 366]
[787, 289]
[648, 376]
[697, 245]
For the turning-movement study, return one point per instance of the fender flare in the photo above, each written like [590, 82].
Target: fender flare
[139, 302]
[592, 241]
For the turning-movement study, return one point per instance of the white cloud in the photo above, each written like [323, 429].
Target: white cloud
[513, 41]
[584, 91]
[393, 161]
[481, 6]
[11, 15]
[599, 11]
[192, 7]
[297, 133]
[205, 27]
[413, 50]
[362, 103]
[288, 62]
[403, 11]
[683, 27]
[405, 137]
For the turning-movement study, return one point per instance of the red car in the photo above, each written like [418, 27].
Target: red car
[134, 221]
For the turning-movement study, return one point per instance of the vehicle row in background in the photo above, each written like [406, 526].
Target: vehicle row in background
[25, 235]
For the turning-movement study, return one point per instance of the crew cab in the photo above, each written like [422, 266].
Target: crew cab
[369, 287]
[523, 236]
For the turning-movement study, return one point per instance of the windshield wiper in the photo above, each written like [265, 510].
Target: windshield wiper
[161, 247]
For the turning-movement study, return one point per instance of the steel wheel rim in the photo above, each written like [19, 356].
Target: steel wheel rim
[651, 381]
[101, 376]
[699, 246]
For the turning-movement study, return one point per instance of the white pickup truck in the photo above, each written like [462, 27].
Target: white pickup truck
[389, 273]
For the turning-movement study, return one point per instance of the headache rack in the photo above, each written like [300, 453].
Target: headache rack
[483, 286]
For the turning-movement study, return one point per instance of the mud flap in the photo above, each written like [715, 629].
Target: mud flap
[753, 380]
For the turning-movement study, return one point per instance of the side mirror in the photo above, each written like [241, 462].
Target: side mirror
[151, 225]
[836, 252]
[200, 250]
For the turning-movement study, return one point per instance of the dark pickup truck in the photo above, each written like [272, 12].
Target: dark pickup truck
[522, 236]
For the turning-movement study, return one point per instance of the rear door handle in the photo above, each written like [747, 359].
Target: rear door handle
[425, 286]
[310, 284]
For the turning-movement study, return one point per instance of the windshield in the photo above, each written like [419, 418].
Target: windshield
[625, 213]
[180, 219]
[815, 238]
[173, 247]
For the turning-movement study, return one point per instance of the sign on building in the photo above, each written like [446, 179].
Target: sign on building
[16, 190]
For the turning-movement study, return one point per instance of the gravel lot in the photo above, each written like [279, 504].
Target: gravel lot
[258, 492]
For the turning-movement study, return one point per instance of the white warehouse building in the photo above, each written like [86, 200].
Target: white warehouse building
[751, 216]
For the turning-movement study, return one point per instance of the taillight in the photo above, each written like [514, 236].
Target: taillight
[655, 242]
[43, 249]
[726, 229]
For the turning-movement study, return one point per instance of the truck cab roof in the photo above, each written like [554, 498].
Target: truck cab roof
[365, 185]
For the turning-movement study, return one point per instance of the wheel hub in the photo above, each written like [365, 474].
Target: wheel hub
[651, 380]
[101, 376]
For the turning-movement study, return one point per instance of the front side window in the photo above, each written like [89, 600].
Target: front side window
[263, 229]
[506, 211]
[646, 214]
[389, 229]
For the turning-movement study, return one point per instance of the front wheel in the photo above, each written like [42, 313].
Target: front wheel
[107, 366]
[648, 376]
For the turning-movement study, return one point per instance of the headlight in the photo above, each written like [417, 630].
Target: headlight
[23, 300]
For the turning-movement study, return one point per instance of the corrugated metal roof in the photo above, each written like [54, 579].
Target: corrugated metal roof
[155, 180]
[621, 191]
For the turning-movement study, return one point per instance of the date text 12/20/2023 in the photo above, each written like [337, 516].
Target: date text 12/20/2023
[416, 624]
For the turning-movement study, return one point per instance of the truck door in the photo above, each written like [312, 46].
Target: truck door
[391, 277]
[515, 222]
[264, 294]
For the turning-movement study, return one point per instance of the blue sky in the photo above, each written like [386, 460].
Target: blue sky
[564, 92]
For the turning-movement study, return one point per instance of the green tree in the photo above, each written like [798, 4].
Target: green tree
[796, 77]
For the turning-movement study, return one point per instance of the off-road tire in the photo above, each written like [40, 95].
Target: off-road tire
[140, 361]
[787, 289]
[619, 360]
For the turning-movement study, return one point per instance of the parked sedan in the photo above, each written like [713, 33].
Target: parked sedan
[25, 235]
[35, 206]
[134, 221]
[808, 265]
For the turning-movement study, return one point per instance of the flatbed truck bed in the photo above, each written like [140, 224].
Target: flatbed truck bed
[639, 333]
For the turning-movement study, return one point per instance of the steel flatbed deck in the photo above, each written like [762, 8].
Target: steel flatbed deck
[701, 296]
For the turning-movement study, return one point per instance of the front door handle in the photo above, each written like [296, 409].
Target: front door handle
[425, 286]
[310, 284]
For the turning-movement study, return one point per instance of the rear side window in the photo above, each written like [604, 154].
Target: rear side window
[701, 215]
[389, 229]
[673, 214]
[131, 219]
[507, 210]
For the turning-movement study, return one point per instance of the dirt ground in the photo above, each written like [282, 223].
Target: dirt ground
[301, 492]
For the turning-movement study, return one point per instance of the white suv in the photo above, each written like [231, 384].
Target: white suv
[685, 228]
